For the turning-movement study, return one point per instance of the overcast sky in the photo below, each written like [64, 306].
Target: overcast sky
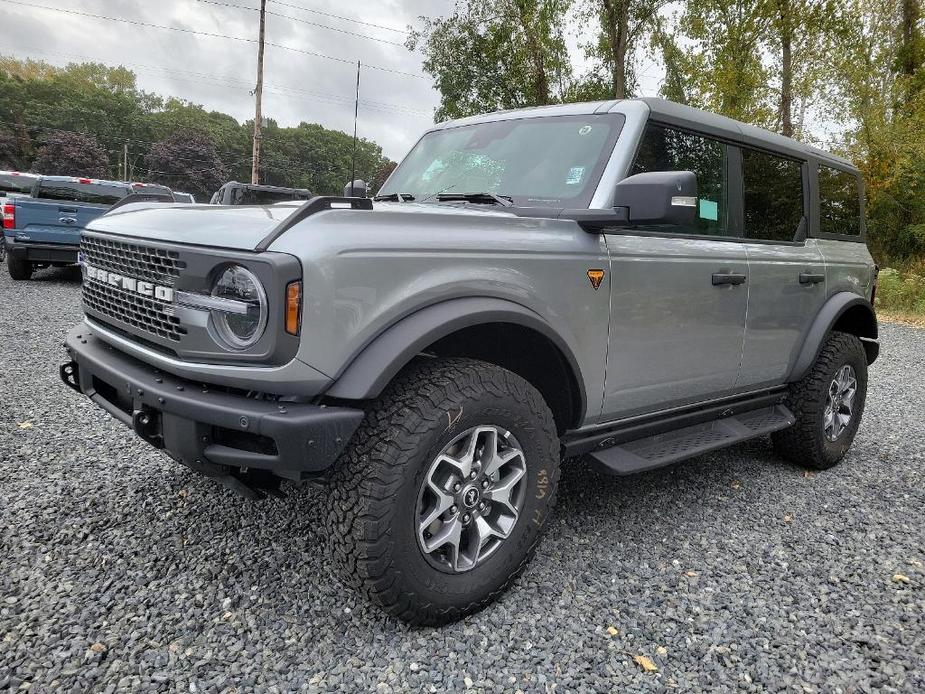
[219, 73]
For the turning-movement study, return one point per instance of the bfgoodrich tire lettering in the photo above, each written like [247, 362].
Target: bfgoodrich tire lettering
[375, 488]
[806, 443]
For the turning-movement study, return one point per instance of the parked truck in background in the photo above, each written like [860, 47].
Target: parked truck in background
[234, 193]
[14, 184]
[43, 229]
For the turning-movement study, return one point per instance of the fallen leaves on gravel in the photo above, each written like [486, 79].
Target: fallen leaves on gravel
[98, 647]
[691, 574]
[25, 425]
[900, 578]
[788, 518]
[645, 663]
[612, 631]
[809, 474]
[661, 650]
[735, 484]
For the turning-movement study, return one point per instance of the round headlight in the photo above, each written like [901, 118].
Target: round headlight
[242, 321]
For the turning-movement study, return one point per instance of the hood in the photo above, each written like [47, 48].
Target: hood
[242, 227]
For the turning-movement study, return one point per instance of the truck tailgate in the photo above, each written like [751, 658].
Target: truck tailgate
[53, 221]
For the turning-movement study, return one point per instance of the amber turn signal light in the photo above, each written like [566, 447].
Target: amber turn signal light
[293, 307]
[595, 276]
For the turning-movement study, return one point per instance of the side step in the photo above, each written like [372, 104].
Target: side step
[663, 449]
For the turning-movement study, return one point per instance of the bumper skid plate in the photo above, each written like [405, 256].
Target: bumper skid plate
[213, 431]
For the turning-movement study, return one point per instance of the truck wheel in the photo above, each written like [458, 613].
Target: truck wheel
[828, 403]
[442, 496]
[19, 269]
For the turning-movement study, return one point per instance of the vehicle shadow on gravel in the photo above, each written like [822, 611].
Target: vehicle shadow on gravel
[65, 275]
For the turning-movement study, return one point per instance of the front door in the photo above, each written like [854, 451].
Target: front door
[679, 294]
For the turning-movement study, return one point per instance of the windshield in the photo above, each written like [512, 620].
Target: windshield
[552, 161]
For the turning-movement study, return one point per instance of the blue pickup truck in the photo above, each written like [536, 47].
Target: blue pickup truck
[44, 229]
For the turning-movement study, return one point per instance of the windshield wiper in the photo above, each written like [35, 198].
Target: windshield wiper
[394, 197]
[481, 198]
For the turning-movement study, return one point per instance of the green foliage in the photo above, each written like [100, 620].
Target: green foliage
[899, 292]
[165, 137]
[496, 54]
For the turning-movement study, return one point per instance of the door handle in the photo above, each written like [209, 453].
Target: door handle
[720, 278]
[811, 278]
[72, 210]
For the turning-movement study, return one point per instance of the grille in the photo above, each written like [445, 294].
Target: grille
[133, 260]
[148, 315]
[155, 265]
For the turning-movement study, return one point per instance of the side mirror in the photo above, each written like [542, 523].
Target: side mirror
[656, 197]
[355, 189]
[659, 197]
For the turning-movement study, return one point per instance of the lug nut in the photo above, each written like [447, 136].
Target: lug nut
[467, 518]
[472, 475]
[485, 484]
[457, 487]
[453, 509]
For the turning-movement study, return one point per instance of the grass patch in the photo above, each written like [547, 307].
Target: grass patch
[901, 295]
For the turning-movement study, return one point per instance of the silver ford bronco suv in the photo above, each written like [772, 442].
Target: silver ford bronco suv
[635, 281]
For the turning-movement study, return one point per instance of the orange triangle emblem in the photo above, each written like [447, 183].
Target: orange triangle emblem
[596, 276]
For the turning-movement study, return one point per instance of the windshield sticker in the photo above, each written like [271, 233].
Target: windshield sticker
[585, 129]
[709, 210]
[575, 175]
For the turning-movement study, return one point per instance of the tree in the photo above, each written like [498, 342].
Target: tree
[72, 154]
[491, 55]
[186, 161]
[623, 26]
[384, 172]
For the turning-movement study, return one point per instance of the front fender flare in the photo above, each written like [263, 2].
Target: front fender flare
[834, 308]
[369, 373]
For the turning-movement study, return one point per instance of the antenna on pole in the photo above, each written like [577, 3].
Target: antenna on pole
[356, 113]
[258, 92]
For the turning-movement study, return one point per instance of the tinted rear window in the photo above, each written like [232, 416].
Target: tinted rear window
[246, 196]
[91, 193]
[16, 184]
[773, 188]
[839, 202]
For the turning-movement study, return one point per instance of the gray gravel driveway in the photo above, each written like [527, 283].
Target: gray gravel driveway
[120, 570]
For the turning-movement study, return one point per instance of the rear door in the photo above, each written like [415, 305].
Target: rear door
[787, 274]
[679, 295]
[61, 209]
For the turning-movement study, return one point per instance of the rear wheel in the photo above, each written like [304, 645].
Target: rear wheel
[828, 403]
[443, 495]
[19, 268]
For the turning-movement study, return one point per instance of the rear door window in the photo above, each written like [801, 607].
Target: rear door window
[13, 183]
[839, 202]
[667, 149]
[773, 190]
[89, 193]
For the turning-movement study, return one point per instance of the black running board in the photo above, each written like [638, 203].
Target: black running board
[664, 449]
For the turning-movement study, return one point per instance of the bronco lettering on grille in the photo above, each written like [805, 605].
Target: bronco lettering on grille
[130, 284]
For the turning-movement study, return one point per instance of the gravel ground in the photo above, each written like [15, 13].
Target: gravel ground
[120, 570]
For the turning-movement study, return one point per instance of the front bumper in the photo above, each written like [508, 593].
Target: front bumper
[213, 431]
[42, 252]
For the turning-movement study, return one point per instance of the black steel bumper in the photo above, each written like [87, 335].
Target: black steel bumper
[213, 431]
[42, 252]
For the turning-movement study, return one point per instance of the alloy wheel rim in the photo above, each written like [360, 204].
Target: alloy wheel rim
[839, 407]
[471, 498]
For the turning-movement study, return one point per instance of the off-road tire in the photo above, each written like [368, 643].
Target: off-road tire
[375, 485]
[19, 269]
[805, 443]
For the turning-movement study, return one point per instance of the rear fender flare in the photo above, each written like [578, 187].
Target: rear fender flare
[372, 370]
[833, 309]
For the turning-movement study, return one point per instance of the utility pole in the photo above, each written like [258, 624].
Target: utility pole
[258, 92]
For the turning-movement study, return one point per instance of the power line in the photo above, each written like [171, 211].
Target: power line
[303, 21]
[337, 16]
[198, 32]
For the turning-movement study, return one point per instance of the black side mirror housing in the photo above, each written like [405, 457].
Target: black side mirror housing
[355, 189]
[655, 197]
[659, 197]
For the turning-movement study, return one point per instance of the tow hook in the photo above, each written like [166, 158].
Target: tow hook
[147, 424]
[70, 374]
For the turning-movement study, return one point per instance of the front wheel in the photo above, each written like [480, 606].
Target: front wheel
[443, 495]
[828, 403]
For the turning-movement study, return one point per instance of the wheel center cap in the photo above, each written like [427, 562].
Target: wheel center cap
[471, 497]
